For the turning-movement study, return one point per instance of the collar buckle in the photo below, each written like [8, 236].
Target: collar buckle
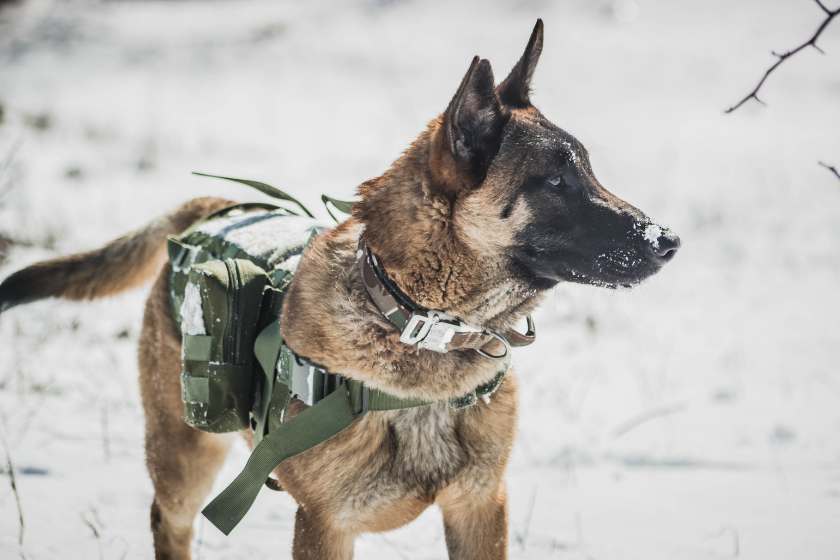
[417, 328]
[439, 335]
[429, 330]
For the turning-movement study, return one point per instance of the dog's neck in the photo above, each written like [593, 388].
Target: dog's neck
[410, 226]
[329, 317]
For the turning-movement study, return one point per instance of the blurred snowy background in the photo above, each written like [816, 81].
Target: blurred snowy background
[695, 417]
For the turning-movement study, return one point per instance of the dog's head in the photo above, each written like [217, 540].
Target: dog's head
[497, 148]
[513, 187]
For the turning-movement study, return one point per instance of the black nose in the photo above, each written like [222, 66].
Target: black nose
[667, 246]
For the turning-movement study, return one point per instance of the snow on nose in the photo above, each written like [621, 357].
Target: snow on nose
[652, 234]
[663, 243]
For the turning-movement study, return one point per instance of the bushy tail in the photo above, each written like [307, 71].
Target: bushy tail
[120, 265]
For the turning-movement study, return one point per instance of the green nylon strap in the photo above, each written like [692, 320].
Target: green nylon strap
[263, 188]
[313, 426]
[341, 205]
[267, 349]
[379, 400]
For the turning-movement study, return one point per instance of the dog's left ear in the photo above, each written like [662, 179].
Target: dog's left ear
[471, 129]
[516, 89]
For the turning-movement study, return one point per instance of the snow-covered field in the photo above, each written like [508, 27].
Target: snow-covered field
[696, 417]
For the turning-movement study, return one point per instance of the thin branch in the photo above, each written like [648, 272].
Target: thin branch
[15, 490]
[830, 168]
[821, 5]
[812, 42]
[523, 538]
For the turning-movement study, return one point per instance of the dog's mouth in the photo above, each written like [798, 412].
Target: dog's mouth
[646, 249]
[580, 278]
[600, 282]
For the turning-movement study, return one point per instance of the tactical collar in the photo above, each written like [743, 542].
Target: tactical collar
[429, 328]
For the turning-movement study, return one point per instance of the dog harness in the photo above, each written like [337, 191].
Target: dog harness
[230, 273]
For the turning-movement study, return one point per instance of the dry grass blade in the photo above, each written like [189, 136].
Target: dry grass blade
[13, 482]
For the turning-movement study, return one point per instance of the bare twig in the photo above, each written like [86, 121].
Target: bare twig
[812, 42]
[27, 420]
[831, 168]
[13, 482]
[94, 526]
[522, 538]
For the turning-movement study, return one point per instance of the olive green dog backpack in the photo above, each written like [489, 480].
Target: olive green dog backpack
[229, 277]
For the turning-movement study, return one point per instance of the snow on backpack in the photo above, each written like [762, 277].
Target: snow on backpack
[230, 273]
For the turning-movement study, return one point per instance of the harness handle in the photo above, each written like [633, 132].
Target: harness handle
[265, 189]
[345, 206]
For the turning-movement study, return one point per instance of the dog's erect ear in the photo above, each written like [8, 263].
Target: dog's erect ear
[474, 120]
[516, 88]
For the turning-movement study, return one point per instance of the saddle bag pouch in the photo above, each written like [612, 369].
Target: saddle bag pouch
[219, 318]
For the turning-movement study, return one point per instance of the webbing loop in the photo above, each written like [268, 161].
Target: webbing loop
[263, 188]
[312, 427]
[345, 206]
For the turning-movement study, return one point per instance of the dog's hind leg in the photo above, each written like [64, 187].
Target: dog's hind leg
[182, 461]
[316, 539]
[182, 475]
[475, 525]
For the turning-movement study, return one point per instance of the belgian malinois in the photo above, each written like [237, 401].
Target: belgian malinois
[487, 210]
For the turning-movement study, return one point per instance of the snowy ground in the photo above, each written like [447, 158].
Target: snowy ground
[696, 417]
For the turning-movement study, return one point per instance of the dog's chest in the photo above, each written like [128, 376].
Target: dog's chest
[424, 445]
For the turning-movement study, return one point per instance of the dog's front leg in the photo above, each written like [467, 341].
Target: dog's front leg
[475, 522]
[316, 539]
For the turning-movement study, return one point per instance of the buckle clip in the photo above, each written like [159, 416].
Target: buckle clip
[417, 327]
[439, 335]
[430, 330]
[365, 402]
[309, 382]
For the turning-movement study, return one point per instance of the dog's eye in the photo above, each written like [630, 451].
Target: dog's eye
[556, 181]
